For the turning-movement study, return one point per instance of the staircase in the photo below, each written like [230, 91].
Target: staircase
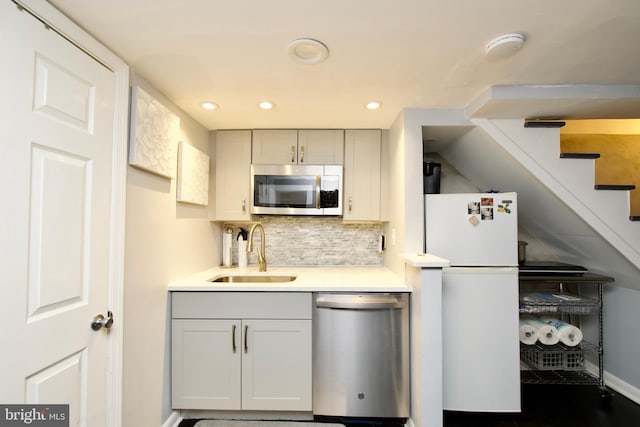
[571, 179]
[616, 161]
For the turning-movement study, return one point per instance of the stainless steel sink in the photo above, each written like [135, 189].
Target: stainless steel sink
[253, 279]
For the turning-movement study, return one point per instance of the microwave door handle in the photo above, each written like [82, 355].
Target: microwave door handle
[318, 186]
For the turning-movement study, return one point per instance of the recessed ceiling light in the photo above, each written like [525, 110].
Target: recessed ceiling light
[307, 51]
[210, 106]
[505, 45]
[373, 105]
[266, 105]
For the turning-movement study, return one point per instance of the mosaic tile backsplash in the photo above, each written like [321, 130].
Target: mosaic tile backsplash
[313, 241]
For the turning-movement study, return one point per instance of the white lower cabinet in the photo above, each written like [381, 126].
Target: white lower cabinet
[259, 360]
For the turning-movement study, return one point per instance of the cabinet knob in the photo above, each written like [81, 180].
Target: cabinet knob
[293, 154]
[302, 154]
[244, 205]
[350, 203]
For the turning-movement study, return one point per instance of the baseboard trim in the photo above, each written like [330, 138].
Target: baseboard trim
[173, 420]
[616, 384]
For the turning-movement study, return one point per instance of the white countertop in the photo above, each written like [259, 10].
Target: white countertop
[425, 260]
[308, 279]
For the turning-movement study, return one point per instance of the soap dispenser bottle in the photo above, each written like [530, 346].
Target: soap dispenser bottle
[242, 248]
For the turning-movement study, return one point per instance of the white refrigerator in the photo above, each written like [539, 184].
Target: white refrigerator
[478, 233]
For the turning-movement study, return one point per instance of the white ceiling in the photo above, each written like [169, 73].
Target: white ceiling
[405, 53]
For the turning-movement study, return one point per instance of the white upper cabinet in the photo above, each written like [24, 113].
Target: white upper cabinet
[233, 180]
[275, 147]
[308, 146]
[362, 190]
[321, 146]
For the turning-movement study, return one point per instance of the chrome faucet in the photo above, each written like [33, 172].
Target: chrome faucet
[262, 262]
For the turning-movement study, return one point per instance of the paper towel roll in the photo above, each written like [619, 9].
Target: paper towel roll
[528, 333]
[547, 334]
[569, 334]
[227, 244]
[242, 252]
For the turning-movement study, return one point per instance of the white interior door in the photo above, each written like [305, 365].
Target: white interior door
[57, 110]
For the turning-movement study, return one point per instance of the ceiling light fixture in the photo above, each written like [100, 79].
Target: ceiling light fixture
[307, 51]
[504, 46]
[210, 106]
[373, 105]
[266, 105]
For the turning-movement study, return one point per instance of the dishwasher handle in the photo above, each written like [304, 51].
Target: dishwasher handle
[360, 302]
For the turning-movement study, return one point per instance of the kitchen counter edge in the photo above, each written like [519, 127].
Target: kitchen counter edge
[308, 279]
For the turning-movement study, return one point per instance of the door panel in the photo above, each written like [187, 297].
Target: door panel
[59, 208]
[276, 365]
[61, 383]
[59, 93]
[56, 175]
[205, 364]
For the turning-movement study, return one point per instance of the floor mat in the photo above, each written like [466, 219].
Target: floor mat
[239, 423]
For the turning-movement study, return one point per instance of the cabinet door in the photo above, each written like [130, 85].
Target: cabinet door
[233, 175]
[480, 344]
[206, 364]
[321, 146]
[276, 365]
[275, 147]
[362, 175]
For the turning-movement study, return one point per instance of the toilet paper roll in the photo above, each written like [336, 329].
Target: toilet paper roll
[528, 333]
[569, 334]
[547, 334]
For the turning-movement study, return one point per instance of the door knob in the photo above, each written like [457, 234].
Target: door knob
[100, 321]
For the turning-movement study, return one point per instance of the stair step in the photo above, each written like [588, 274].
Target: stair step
[543, 124]
[634, 218]
[614, 187]
[579, 155]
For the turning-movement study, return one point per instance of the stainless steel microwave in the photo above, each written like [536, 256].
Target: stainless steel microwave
[296, 189]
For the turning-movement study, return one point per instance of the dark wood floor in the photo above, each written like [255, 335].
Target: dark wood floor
[557, 406]
[545, 406]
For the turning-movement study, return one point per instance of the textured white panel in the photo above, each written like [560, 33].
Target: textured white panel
[60, 93]
[154, 135]
[193, 175]
[63, 382]
[58, 224]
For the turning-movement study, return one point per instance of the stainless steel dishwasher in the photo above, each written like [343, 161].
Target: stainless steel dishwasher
[361, 355]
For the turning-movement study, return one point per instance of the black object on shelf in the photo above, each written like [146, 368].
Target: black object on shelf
[550, 267]
[431, 177]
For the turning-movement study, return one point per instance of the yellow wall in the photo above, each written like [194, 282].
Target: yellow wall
[626, 127]
[617, 142]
